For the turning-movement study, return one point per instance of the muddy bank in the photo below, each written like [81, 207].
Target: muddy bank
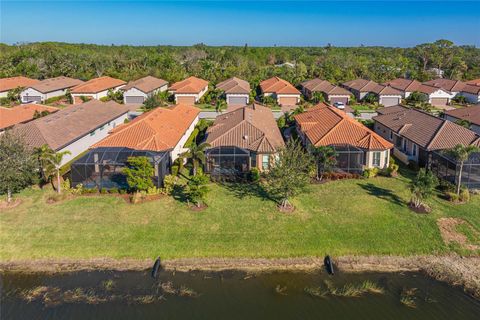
[453, 269]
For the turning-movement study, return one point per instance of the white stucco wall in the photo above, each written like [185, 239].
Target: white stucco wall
[3, 94]
[179, 148]
[31, 92]
[85, 142]
[97, 95]
[439, 94]
[384, 159]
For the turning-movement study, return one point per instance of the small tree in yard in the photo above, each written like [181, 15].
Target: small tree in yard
[196, 153]
[139, 173]
[318, 97]
[197, 189]
[461, 154]
[50, 164]
[326, 158]
[17, 164]
[290, 173]
[422, 187]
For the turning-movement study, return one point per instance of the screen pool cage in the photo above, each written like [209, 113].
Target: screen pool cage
[446, 168]
[229, 161]
[349, 159]
[102, 168]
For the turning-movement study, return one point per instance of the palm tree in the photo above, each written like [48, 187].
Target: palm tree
[50, 163]
[220, 105]
[196, 154]
[461, 154]
[326, 157]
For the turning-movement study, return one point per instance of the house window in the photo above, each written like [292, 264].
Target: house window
[102, 127]
[92, 133]
[376, 158]
[265, 162]
[253, 160]
[414, 151]
[404, 147]
[391, 135]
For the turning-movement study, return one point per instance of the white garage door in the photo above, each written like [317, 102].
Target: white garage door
[134, 99]
[32, 99]
[241, 101]
[390, 101]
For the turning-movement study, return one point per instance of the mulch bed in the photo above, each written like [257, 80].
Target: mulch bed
[4, 205]
[421, 209]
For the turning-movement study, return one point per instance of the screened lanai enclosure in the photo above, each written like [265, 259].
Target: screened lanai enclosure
[230, 162]
[349, 159]
[447, 168]
[103, 167]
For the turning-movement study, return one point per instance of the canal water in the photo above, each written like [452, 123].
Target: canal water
[231, 295]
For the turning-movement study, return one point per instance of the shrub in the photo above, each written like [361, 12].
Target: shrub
[153, 191]
[103, 191]
[452, 196]
[412, 165]
[169, 183]
[464, 195]
[113, 190]
[122, 191]
[370, 172]
[174, 170]
[392, 170]
[254, 175]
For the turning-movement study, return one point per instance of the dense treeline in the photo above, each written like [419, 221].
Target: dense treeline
[336, 64]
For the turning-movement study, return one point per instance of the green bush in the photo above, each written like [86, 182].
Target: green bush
[464, 195]
[452, 196]
[122, 191]
[254, 175]
[412, 165]
[370, 172]
[169, 183]
[113, 190]
[103, 191]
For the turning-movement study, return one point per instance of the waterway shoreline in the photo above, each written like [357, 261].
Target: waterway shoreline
[452, 269]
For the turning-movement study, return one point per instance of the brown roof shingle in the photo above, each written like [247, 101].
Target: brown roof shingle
[471, 114]
[158, 130]
[146, 84]
[7, 84]
[69, 124]
[427, 131]
[21, 114]
[278, 86]
[446, 84]
[251, 127]
[189, 85]
[324, 125]
[234, 85]
[319, 85]
[54, 84]
[98, 85]
[361, 85]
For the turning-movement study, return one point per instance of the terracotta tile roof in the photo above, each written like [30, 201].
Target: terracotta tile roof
[278, 86]
[325, 125]
[471, 89]
[158, 130]
[53, 84]
[250, 127]
[67, 125]
[189, 85]
[408, 85]
[446, 84]
[7, 84]
[427, 131]
[146, 84]
[474, 82]
[98, 85]
[20, 114]
[234, 85]
[319, 85]
[386, 90]
[471, 114]
[361, 85]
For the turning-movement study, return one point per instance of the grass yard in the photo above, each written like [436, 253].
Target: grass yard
[349, 217]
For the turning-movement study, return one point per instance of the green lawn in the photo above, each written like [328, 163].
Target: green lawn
[341, 218]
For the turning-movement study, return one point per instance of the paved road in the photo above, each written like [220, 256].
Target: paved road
[277, 114]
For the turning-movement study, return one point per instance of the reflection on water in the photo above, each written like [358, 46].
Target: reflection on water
[231, 295]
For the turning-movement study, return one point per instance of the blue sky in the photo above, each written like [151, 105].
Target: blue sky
[267, 23]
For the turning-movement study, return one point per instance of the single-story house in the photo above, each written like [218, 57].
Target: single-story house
[7, 84]
[240, 140]
[471, 93]
[470, 114]
[237, 91]
[96, 88]
[416, 134]
[139, 90]
[48, 88]
[454, 87]
[474, 82]
[21, 114]
[435, 96]
[387, 96]
[75, 128]
[331, 92]
[283, 91]
[357, 147]
[160, 135]
[189, 91]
